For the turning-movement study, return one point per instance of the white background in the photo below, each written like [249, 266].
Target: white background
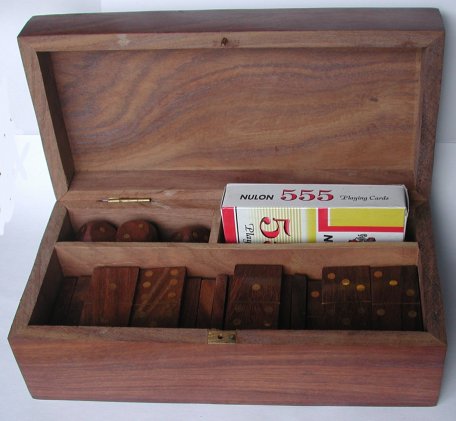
[26, 199]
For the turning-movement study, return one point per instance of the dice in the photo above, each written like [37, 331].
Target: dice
[97, 231]
[191, 234]
[138, 230]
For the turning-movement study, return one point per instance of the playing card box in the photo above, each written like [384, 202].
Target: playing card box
[308, 213]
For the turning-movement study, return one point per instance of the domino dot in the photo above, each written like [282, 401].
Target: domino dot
[381, 312]
[141, 226]
[378, 274]
[393, 283]
[172, 295]
[410, 293]
[147, 284]
[315, 294]
[148, 273]
[268, 309]
[173, 272]
[267, 324]
[256, 287]
[173, 282]
[360, 287]
[237, 322]
[112, 286]
[238, 308]
[126, 236]
[331, 276]
[345, 282]
[102, 229]
[412, 314]
[346, 321]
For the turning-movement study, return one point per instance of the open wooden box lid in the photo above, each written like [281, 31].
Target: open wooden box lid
[137, 103]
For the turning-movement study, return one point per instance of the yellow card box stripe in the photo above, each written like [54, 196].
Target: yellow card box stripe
[311, 225]
[367, 217]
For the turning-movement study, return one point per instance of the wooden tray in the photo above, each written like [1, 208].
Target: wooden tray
[171, 106]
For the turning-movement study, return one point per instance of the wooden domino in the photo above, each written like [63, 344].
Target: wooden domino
[69, 303]
[218, 305]
[396, 298]
[109, 296]
[346, 297]
[206, 300]
[412, 318]
[80, 295]
[346, 284]
[158, 297]
[190, 302]
[63, 301]
[314, 319]
[293, 302]
[254, 297]
[285, 302]
[348, 316]
[211, 307]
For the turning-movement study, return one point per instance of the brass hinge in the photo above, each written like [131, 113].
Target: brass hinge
[221, 337]
[126, 200]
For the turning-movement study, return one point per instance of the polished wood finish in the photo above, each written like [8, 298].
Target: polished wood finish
[158, 297]
[346, 284]
[315, 313]
[346, 297]
[172, 106]
[109, 297]
[138, 230]
[293, 302]
[190, 302]
[63, 303]
[396, 298]
[218, 306]
[206, 301]
[70, 301]
[97, 231]
[254, 297]
[388, 92]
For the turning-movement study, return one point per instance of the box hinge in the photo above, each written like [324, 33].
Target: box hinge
[126, 200]
[215, 336]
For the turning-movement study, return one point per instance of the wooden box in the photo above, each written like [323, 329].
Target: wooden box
[171, 106]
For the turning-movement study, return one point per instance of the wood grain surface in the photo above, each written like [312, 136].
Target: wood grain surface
[211, 259]
[424, 19]
[208, 106]
[158, 297]
[387, 372]
[172, 106]
[185, 100]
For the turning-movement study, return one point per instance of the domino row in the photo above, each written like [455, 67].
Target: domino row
[255, 297]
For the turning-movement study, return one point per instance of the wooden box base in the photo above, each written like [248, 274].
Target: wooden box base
[259, 366]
